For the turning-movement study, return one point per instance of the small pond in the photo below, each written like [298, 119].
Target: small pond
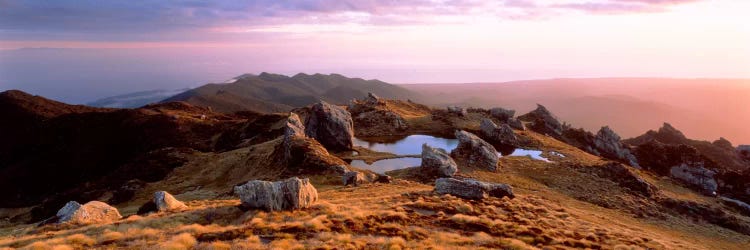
[412, 145]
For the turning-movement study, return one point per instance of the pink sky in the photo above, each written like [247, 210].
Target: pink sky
[412, 40]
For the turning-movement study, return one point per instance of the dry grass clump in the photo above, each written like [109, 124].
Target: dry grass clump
[179, 242]
[80, 240]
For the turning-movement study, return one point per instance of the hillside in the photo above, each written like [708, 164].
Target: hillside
[278, 93]
[135, 100]
[704, 109]
[567, 201]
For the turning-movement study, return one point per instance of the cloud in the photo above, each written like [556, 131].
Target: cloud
[192, 19]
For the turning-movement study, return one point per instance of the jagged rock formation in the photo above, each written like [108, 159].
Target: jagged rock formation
[331, 125]
[292, 128]
[460, 111]
[166, 202]
[289, 194]
[375, 116]
[543, 121]
[502, 134]
[437, 162]
[91, 212]
[608, 144]
[723, 143]
[679, 161]
[515, 123]
[502, 114]
[472, 189]
[475, 152]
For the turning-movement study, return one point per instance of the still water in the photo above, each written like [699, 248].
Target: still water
[412, 145]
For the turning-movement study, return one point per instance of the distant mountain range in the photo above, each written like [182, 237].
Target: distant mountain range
[277, 93]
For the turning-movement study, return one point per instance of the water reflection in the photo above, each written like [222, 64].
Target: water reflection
[386, 165]
[534, 154]
[410, 145]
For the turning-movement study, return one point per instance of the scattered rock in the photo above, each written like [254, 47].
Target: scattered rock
[289, 194]
[460, 111]
[354, 178]
[437, 162]
[543, 121]
[502, 114]
[372, 99]
[331, 125]
[91, 212]
[382, 178]
[166, 202]
[475, 151]
[696, 175]
[608, 144]
[472, 189]
[502, 134]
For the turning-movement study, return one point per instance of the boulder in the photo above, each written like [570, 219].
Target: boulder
[331, 125]
[472, 189]
[354, 178]
[289, 194]
[697, 176]
[608, 144]
[437, 162]
[460, 111]
[372, 99]
[166, 202]
[502, 134]
[543, 121]
[515, 124]
[91, 212]
[502, 114]
[292, 128]
[383, 178]
[475, 152]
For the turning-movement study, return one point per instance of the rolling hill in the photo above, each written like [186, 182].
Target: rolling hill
[268, 92]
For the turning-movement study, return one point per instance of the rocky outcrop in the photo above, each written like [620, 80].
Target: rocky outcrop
[354, 178]
[694, 174]
[437, 162]
[91, 212]
[373, 99]
[460, 111]
[608, 144]
[543, 121]
[723, 143]
[292, 128]
[166, 202]
[475, 152]
[502, 134]
[331, 125]
[289, 194]
[624, 177]
[472, 189]
[502, 114]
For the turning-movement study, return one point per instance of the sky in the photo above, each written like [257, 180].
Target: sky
[78, 51]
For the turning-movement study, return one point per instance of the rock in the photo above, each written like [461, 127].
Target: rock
[744, 151]
[382, 178]
[475, 152]
[354, 178]
[91, 212]
[697, 176]
[502, 114]
[472, 189]
[740, 205]
[543, 121]
[289, 194]
[460, 111]
[372, 98]
[668, 134]
[516, 124]
[294, 126]
[608, 144]
[502, 134]
[331, 125]
[437, 162]
[166, 202]
[625, 177]
[723, 143]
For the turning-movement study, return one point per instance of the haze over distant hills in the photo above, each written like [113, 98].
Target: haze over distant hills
[703, 108]
[136, 99]
[276, 93]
